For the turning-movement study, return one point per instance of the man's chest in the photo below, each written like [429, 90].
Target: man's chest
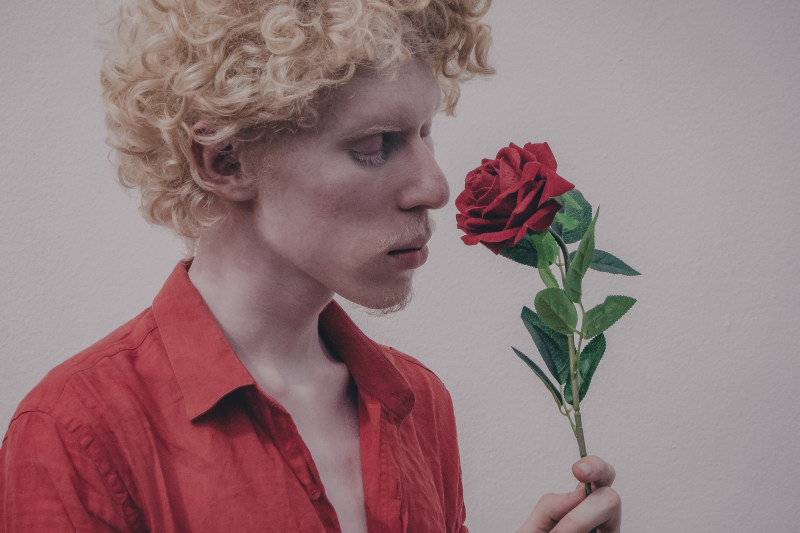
[331, 432]
[250, 470]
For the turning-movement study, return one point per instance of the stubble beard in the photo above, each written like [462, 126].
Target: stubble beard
[423, 225]
[392, 303]
[400, 298]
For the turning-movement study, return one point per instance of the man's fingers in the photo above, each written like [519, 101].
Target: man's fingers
[575, 512]
[602, 509]
[550, 509]
[592, 469]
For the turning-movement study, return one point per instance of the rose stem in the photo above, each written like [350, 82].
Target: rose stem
[573, 368]
[563, 246]
[573, 372]
[576, 404]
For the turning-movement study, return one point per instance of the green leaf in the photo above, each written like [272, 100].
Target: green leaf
[569, 201]
[546, 248]
[548, 278]
[524, 252]
[542, 376]
[555, 309]
[576, 208]
[590, 358]
[580, 263]
[600, 318]
[606, 262]
[552, 345]
[566, 221]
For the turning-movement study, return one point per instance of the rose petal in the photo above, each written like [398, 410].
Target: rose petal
[543, 218]
[481, 225]
[555, 186]
[526, 208]
[543, 154]
[496, 248]
[496, 236]
[507, 196]
[509, 176]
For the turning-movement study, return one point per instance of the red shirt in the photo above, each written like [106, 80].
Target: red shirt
[159, 427]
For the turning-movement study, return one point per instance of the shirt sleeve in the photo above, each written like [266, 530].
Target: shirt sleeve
[49, 482]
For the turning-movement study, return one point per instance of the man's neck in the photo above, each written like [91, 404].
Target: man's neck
[267, 309]
[269, 312]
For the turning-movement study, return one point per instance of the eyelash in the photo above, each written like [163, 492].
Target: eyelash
[378, 158]
[370, 160]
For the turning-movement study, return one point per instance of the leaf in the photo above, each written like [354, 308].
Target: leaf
[569, 201]
[548, 278]
[566, 221]
[542, 376]
[606, 262]
[546, 248]
[590, 358]
[551, 344]
[524, 252]
[576, 208]
[580, 264]
[555, 309]
[600, 318]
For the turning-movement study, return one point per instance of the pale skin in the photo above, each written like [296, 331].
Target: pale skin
[367, 175]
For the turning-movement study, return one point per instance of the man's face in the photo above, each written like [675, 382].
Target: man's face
[344, 206]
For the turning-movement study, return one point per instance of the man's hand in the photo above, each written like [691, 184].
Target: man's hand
[574, 512]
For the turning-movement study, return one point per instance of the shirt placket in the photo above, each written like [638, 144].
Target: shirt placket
[398, 508]
[383, 490]
[278, 426]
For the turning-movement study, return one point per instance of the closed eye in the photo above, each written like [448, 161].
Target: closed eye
[389, 142]
[370, 160]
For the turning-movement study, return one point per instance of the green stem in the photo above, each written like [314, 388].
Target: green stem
[577, 426]
[576, 403]
[573, 367]
[563, 246]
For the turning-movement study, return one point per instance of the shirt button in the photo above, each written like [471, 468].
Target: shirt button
[314, 493]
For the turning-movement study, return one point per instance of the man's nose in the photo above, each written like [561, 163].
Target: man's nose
[427, 186]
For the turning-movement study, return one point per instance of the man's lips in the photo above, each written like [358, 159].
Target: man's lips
[410, 256]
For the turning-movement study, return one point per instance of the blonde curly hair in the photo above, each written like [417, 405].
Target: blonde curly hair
[245, 66]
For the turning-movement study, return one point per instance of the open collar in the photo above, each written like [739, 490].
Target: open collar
[207, 369]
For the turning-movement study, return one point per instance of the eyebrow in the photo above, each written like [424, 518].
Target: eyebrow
[354, 133]
[370, 125]
[396, 118]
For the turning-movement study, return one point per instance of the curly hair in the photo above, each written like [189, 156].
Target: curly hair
[249, 65]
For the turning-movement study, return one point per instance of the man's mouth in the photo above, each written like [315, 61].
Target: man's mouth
[410, 257]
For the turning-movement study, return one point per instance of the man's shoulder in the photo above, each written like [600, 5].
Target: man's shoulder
[92, 373]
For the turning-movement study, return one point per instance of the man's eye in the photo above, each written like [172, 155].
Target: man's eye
[372, 157]
[373, 160]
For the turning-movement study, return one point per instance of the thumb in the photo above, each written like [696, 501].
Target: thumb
[550, 509]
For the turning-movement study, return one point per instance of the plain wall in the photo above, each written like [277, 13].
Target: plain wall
[681, 119]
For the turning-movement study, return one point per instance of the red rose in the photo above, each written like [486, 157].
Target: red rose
[507, 196]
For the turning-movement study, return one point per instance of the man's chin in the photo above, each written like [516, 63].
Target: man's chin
[386, 304]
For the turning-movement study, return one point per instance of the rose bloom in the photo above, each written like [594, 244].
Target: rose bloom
[509, 195]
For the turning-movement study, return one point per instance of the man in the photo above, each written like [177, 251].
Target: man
[290, 143]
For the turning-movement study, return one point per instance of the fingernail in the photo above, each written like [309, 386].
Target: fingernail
[584, 469]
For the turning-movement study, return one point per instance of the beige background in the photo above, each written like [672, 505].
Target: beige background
[680, 118]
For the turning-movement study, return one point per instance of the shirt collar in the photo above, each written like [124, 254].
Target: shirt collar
[207, 369]
[371, 367]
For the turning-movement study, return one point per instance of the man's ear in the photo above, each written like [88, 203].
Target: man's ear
[219, 167]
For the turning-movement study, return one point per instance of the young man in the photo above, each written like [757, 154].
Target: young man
[290, 142]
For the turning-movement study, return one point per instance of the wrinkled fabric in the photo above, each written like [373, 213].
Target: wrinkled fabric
[159, 427]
